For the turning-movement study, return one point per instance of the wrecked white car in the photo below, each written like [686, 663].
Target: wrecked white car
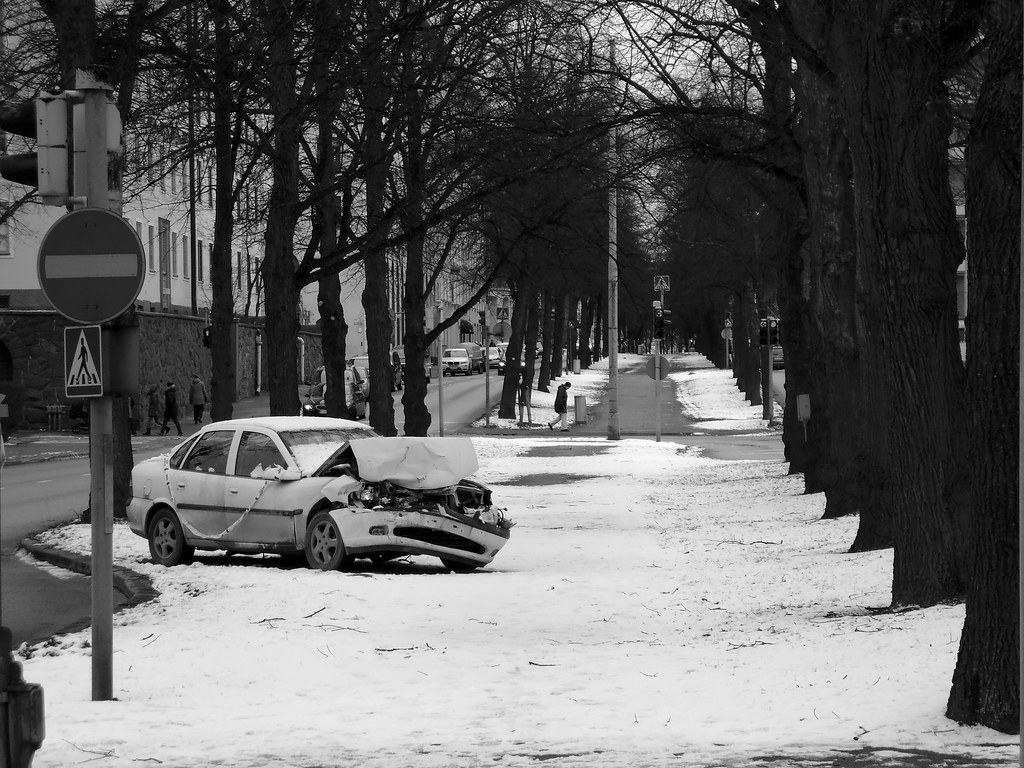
[330, 489]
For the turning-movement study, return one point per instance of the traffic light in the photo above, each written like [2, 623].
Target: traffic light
[773, 331]
[762, 332]
[483, 317]
[660, 321]
[206, 336]
[44, 119]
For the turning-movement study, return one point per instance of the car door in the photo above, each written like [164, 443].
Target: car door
[260, 511]
[197, 484]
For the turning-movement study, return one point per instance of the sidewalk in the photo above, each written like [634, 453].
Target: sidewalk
[635, 402]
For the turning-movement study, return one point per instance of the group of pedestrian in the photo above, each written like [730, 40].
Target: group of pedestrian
[197, 398]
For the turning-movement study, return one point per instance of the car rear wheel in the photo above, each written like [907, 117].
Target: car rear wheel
[325, 550]
[167, 540]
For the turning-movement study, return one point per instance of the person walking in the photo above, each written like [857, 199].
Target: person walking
[170, 408]
[198, 398]
[152, 408]
[561, 407]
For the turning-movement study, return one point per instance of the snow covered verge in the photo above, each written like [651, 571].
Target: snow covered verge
[653, 608]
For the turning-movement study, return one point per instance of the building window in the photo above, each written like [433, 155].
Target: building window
[174, 253]
[152, 249]
[238, 268]
[186, 257]
[209, 187]
[174, 181]
[199, 260]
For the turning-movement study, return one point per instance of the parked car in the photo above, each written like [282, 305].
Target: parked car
[361, 364]
[492, 356]
[502, 349]
[355, 399]
[466, 358]
[428, 372]
[330, 489]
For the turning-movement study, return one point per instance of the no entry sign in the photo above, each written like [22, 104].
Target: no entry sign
[91, 265]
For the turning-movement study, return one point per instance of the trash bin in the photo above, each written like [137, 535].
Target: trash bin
[581, 409]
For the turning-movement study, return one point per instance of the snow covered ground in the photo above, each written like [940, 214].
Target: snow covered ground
[653, 608]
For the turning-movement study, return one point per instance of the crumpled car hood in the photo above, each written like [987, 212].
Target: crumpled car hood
[416, 463]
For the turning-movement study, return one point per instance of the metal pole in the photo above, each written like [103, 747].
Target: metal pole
[101, 426]
[656, 344]
[613, 285]
[487, 373]
[1020, 468]
[440, 374]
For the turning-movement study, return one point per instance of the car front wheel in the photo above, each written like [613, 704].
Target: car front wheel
[325, 550]
[167, 540]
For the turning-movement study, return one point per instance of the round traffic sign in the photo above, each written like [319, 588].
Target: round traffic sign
[91, 265]
[663, 367]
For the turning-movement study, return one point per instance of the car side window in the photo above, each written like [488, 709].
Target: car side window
[210, 453]
[256, 449]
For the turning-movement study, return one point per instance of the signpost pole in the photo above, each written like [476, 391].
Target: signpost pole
[101, 413]
[487, 369]
[440, 374]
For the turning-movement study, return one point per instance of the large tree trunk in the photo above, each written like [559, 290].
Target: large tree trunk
[333, 327]
[986, 682]
[837, 406]
[222, 309]
[378, 320]
[417, 417]
[514, 352]
[547, 341]
[560, 344]
[278, 266]
[896, 111]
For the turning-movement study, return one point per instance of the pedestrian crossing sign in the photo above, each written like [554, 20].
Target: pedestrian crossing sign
[83, 361]
[661, 282]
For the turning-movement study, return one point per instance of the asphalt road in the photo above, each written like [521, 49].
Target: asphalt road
[34, 602]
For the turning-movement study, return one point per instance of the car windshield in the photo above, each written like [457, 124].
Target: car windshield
[312, 447]
[456, 353]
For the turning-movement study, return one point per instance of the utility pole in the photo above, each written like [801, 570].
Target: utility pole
[92, 185]
[613, 282]
[440, 373]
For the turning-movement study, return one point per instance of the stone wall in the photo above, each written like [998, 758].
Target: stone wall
[170, 349]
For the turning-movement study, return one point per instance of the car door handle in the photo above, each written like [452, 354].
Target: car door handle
[181, 483]
[233, 490]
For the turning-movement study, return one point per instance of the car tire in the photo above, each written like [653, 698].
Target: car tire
[325, 551]
[166, 537]
[458, 566]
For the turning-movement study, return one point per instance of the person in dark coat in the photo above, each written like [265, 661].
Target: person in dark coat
[197, 397]
[170, 408]
[152, 408]
[561, 407]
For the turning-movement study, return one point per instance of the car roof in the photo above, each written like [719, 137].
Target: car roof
[290, 423]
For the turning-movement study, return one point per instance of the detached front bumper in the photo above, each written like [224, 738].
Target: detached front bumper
[445, 534]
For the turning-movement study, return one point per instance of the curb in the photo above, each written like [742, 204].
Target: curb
[135, 587]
